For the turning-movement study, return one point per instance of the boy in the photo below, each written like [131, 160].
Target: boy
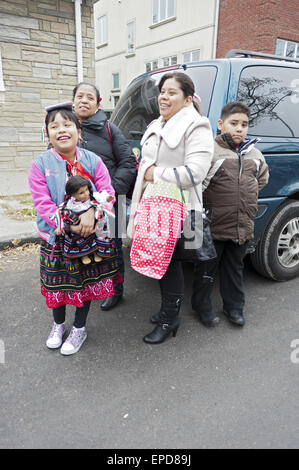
[238, 172]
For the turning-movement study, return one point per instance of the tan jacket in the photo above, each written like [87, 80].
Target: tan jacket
[186, 139]
[231, 193]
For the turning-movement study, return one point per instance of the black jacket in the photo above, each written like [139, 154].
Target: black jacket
[119, 159]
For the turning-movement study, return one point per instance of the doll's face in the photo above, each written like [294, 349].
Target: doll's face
[82, 194]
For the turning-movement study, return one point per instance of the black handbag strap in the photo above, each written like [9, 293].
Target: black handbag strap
[192, 181]
[179, 184]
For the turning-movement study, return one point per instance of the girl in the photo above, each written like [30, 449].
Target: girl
[81, 198]
[107, 141]
[68, 283]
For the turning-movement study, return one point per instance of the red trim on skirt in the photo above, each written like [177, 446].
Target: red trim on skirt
[98, 291]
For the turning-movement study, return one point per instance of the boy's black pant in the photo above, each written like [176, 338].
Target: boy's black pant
[229, 259]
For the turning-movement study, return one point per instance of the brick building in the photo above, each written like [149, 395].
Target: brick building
[38, 67]
[268, 26]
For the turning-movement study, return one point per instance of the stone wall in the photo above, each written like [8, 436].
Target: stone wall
[38, 48]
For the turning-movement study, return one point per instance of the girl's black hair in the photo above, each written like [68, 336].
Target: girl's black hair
[97, 92]
[65, 113]
[185, 83]
[74, 183]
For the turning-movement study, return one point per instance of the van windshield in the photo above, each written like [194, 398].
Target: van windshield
[138, 105]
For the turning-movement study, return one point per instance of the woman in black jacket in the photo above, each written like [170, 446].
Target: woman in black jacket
[108, 142]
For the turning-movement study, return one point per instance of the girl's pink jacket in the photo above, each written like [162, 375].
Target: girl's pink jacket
[47, 179]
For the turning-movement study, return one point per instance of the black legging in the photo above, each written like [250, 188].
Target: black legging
[80, 315]
[173, 280]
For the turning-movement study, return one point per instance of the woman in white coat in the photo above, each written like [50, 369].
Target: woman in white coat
[179, 137]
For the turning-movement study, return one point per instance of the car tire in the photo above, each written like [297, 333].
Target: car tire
[277, 253]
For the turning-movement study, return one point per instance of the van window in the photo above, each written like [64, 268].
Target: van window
[272, 93]
[138, 105]
[203, 78]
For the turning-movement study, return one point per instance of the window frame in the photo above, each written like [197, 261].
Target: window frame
[114, 74]
[156, 15]
[151, 64]
[191, 54]
[286, 43]
[170, 57]
[100, 31]
[131, 51]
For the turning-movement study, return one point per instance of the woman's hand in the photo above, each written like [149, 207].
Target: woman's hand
[149, 174]
[86, 225]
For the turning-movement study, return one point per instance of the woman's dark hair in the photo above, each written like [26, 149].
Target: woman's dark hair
[74, 183]
[97, 92]
[186, 85]
[65, 113]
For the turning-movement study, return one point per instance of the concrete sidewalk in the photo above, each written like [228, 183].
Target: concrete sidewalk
[12, 230]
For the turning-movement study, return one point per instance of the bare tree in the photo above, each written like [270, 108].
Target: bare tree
[263, 95]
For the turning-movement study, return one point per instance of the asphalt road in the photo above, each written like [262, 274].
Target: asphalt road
[225, 387]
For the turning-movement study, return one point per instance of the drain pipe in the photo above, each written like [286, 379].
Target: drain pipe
[215, 29]
[79, 40]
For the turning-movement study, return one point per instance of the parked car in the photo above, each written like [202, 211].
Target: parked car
[269, 85]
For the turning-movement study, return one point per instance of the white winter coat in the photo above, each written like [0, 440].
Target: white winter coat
[185, 139]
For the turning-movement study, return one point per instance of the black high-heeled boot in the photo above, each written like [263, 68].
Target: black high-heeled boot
[168, 321]
[155, 317]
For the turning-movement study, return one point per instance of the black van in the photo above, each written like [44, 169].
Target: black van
[269, 85]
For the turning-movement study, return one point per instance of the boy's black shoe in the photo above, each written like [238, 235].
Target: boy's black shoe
[235, 316]
[209, 319]
[111, 302]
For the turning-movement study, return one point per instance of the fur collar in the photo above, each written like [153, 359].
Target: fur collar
[173, 130]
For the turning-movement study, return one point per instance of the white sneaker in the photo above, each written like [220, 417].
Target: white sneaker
[55, 337]
[74, 341]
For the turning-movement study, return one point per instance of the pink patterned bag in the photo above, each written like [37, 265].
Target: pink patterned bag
[157, 225]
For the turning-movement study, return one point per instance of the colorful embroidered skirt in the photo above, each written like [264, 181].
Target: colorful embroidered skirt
[75, 246]
[67, 281]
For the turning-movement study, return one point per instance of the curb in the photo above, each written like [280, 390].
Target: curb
[8, 243]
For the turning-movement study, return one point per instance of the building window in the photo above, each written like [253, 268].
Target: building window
[172, 60]
[162, 10]
[152, 65]
[191, 56]
[131, 37]
[102, 30]
[2, 87]
[115, 100]
[287, 48]
[115, 77]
